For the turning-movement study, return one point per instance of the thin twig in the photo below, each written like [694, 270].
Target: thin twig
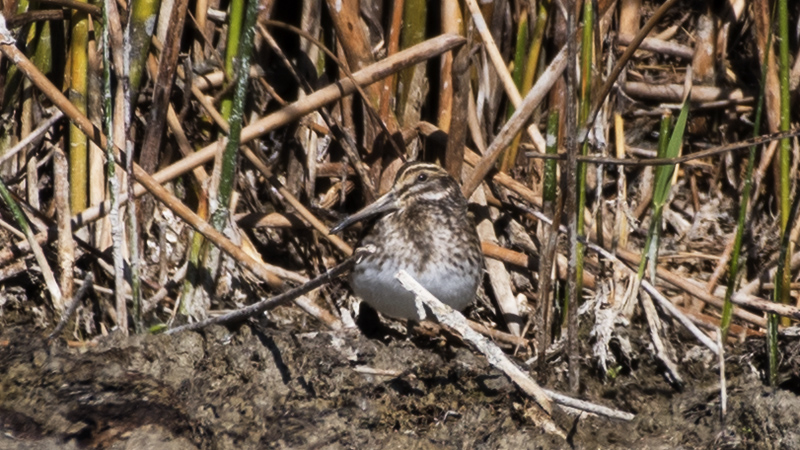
[270, 303]
[86, 287]
[32, 136]
[745, 144]
[582, 405]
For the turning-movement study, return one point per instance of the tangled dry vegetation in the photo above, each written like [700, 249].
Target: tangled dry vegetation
[255, 126]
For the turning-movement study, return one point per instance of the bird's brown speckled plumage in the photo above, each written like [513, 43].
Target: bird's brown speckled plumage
[424, 229]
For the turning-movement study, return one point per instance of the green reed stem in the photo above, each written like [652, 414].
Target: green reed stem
[583, 114]
[663, 183]
[663, 142]
[139, 33]
[228, 173]
[549, 199]
[781, 292]
[733, 269]
[79, 89]
[785, 146]
[517, 74]
[773, 319]
[236, 18]
[415, 17]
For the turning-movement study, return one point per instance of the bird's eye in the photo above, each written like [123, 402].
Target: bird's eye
[422, 177]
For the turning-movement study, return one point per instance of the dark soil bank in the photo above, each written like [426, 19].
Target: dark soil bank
[258, 387]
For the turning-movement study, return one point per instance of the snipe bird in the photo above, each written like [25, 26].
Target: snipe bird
[422, 226]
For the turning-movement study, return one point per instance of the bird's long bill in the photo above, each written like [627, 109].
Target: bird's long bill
[384, 204]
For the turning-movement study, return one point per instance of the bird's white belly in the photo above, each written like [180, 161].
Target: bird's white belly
[380, 289]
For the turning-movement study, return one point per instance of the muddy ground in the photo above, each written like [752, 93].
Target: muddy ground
[265, 385]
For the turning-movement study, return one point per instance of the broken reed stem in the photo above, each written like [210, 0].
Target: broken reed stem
[453, 319]
[65, 242]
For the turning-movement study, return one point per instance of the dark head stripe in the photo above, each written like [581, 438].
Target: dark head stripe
[445, 185]
[413, 168]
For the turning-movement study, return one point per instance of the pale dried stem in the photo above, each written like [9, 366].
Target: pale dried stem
[452, 22]
[494, 251]
[703, 60]
[498, 274]
[498, 335]
[674, 92]
[629, 17]
[453, 319]
[214, 79]
[11, 229]
[659, 46]
[200, 15]
[66, 245]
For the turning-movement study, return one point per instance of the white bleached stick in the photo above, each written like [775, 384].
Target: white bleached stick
[453, 319]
